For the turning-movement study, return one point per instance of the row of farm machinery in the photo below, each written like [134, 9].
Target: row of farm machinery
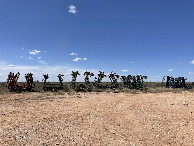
[12, 85]
[129, 82]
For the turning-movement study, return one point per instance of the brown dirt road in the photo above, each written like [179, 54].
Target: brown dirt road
[97, 119]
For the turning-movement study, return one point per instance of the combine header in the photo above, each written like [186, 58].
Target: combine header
[13, 87]
[51, 86]
[133, 82]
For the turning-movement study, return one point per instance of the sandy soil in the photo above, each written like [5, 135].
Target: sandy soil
[97, 119]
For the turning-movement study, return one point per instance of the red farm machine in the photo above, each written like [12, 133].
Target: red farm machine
[13, 87]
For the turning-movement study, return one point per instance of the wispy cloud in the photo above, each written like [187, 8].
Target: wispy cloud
[131, 62]
[124, 70]
[11, 65]
[42, 62]
[39, 57]
[192, 62]
[170, 70]
[72, 9]
[85, 59]
[191, 73]
[72, 53]
[77, 59]
[34, 52]
[30, 58]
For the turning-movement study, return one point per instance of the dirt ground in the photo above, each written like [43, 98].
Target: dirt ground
[97, 118]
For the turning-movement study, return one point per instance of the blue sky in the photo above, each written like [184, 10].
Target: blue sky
[148, 37]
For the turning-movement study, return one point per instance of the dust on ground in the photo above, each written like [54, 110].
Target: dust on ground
[97, 119]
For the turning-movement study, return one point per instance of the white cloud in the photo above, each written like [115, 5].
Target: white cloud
[34, 52]
[131, 62]
[22, 56]
[30, 58]
[45, 51]
[170, 69]
[42, 62]
[77, 59]
[192, 62]
[11, 65]
[72, 9]
[39, 58]
[22, 48]
[124, 70]
[191, 73]
[72, 53]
